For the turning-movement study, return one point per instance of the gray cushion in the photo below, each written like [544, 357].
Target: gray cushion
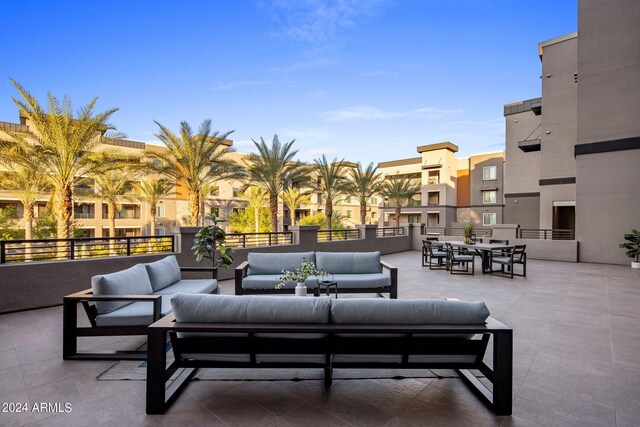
[137, 313]
[361, 281]
[190, 286]
[163, 273]
[269, 281]
[348, 262]
[250, 309]
[376, 310]
[132, 281]
[271, 263]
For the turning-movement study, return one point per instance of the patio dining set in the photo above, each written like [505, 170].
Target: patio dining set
[458, 257]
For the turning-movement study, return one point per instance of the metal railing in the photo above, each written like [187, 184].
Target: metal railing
[343, 234]
[389, 231]
[244, 240]
[84, 215]
[545, 234]
[82, 247]
[457, 231]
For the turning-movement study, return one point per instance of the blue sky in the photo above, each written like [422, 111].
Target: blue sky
[365, 80]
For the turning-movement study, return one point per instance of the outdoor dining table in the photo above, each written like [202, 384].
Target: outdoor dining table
[483, 249]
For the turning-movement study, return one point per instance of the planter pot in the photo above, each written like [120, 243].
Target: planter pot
[301, 290]
[635, 264]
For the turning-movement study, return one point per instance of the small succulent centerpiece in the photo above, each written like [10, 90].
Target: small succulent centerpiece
[632, 245]
[210, 241]
[300, 276]
[467, 231]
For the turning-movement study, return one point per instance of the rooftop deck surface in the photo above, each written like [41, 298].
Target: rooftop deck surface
[576, 363]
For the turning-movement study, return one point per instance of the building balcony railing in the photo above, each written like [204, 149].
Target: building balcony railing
[84, 215]
[546, 234]
[389, 231]
[245, 240]
[344, 234]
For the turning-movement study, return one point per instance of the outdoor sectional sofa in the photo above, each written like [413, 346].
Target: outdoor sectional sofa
[227, 331]
[355, 272]
[126, 302]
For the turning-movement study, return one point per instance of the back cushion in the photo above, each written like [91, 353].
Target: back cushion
[163, 273]
[348, 262]
[270, 263]
[132, 281]
[249, 309]
[393, 311]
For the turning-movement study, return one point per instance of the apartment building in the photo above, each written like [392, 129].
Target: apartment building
[572, 155]
[453, 191]
[132, 218]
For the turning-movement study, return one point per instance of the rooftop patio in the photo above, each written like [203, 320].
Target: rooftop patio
[576, 362]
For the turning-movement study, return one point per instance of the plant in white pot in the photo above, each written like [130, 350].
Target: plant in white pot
[300, 276]
[632, 245]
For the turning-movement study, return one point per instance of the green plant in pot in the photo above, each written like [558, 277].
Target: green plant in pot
[209, 241]
[300, 276]
[632, 245]
[468, 231]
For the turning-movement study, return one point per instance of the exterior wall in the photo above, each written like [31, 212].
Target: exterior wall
[522, 210]
[608, 190]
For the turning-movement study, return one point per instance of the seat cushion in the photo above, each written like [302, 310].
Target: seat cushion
[272, 263]
[132, 281]
[250, 309]
[392, 311]
[269, 281]
[134, 314]
[348, 262]
[163, 273]
[361, 281]
[190, 286]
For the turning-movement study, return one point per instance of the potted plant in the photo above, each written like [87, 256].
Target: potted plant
[300, 276]
[209, 241]
[468, 231]
[632, 245]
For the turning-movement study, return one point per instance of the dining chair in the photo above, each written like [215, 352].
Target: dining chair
[507, 258]
[462, 258]
[432, 251]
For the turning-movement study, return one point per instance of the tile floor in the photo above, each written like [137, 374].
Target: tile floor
[576, 363]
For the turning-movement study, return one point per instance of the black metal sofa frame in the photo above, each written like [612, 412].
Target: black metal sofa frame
[241, 273]
[71, 331]
[446, 340]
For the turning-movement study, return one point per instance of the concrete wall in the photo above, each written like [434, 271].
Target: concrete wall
[550, 250]
[608, 182]
[523, 210]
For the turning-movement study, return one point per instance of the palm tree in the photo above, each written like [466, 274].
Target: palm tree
[195, 161]
[28, 187]
[293, 198]
[272, 169]
[363, 185]
[114, 186]
[330, 182]
[399, 191]
[65, 151]
[256, 198]
[151, 191]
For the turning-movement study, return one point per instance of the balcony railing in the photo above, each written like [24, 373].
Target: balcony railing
[545, 234]
[344, 234]
[389, 231]
[126, 215]
[244, 240]
[457, 231]
[84, 247]
[84, 215]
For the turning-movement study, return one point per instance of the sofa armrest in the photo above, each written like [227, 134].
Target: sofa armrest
[241, 273]
[213, 270]
[393, 271]
[87, 296]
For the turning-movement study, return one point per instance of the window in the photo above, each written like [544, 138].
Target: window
[489, 172]
[414, 218]
[160, 211]
[215, 211]
[433, 198]
[374, 200]
[489, 196]
[488, 219]
[374, 215]
[348, 214]
[434, 177]
[159, 231]
[236, 192]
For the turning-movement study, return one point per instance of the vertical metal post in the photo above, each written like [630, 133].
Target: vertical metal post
[269, 239]
[128, 239]
[503, 371]
[3, 248]
[173, 243]
[72, 252]
[244, 240]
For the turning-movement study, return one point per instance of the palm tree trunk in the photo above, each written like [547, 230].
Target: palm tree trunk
[328, 207]
[273, 207]
[363, 212]
[63, 212]
[398, 209]
[28, 230]
[256, 218]
[194, 208]
[292, 216]
[152, 213]
[111, 216]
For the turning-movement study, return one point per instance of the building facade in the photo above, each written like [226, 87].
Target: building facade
[453, 191]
